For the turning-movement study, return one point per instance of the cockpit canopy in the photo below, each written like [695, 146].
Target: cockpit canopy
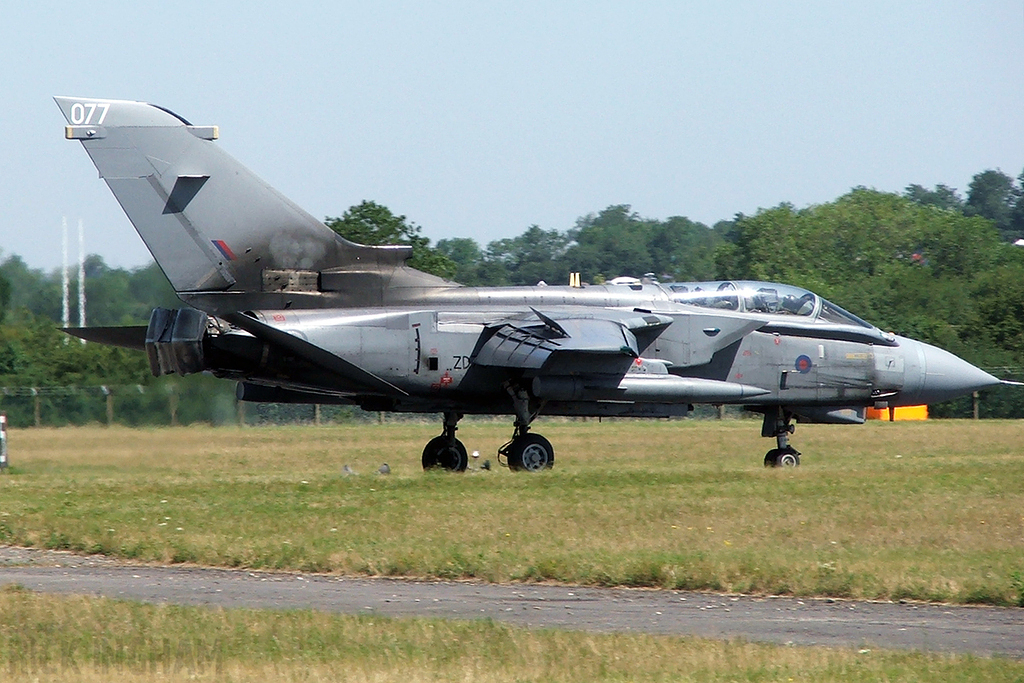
[762, 297]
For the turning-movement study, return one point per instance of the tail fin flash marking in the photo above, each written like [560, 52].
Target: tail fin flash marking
[224, 249]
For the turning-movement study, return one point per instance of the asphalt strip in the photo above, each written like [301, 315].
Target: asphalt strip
[836, 623]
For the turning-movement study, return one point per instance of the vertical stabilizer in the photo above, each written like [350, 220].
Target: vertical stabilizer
[211, 224]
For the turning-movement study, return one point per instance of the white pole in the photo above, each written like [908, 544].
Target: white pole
[3, 440]
[65, 304]
[81, 274]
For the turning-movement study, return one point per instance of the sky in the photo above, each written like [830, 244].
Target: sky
[480, 119]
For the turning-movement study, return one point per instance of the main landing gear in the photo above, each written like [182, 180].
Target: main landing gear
[526, 452]
[779, 423]
[445, 451]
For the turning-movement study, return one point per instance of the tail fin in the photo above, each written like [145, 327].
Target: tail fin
[211, 224]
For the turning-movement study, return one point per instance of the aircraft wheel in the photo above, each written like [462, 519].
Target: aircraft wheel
[446, 454]
[532, 453]
[771, 458]
[788, 457]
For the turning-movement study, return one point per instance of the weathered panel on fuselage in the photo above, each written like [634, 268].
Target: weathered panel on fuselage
[444, 360]
[801, 369]
[381, 349]
[693, 339]
[409, 349]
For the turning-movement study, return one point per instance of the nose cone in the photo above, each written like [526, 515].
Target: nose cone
[943, 376]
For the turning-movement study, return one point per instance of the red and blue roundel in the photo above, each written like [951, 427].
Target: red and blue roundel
[804, 364]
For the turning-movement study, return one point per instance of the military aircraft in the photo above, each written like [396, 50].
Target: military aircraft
[296, 314]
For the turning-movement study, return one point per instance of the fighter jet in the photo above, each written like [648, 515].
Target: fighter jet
[296, 314]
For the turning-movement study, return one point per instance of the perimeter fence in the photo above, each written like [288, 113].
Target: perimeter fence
[207, 400]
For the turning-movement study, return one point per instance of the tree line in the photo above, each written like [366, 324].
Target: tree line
[925, 263]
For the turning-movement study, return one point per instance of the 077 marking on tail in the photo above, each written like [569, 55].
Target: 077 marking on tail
[81, 113]
[295, 313]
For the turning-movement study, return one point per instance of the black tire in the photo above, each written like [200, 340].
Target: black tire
[531, 453]
[445, 454]
[771, 458]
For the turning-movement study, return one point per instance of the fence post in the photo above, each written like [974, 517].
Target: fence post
[36, 400]
[110, 404]
[172, 400]
[977, 404]
[316, 414]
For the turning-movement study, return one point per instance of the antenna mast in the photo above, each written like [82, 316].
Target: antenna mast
[81, 274]
[65, 304]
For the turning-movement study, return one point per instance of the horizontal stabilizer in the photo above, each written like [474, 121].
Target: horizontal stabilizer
[349, 372]
[127, 337]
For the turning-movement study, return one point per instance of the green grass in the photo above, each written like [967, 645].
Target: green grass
[926, 511]
[94, 639]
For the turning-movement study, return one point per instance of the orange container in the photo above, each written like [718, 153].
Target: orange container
[900, 413]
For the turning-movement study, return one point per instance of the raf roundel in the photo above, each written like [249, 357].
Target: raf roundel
[804, 364]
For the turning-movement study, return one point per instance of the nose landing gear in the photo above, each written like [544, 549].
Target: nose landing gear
[779, 423]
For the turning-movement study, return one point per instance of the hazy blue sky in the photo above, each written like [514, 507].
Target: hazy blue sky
[480, 119]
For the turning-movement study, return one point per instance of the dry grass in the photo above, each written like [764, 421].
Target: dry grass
[927, 511]
[91, 639]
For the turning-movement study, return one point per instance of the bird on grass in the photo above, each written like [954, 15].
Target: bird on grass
[384, 469]
[347, 471]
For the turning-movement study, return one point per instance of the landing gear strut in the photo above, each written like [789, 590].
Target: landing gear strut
[779, 423]
[526, 452]
[445, 451]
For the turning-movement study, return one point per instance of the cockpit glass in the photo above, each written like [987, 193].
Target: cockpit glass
[834, 314]
[759, 297]
[720, 295]
[762, 297]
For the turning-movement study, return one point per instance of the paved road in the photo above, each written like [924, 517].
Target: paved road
[979, 630]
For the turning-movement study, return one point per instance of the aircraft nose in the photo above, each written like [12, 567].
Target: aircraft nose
[943, 376]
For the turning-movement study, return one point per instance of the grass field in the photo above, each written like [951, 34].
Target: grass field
[930, 511]
[91, 640]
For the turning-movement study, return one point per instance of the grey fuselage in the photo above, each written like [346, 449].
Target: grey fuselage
[430, 351]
